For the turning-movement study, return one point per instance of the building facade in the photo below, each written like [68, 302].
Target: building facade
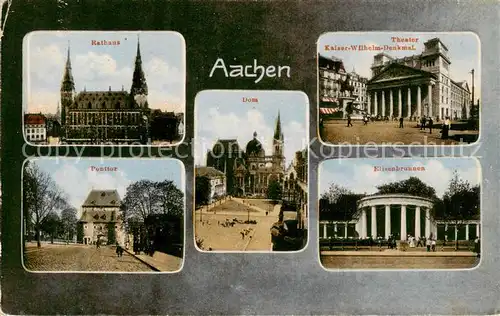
[117, 116]
[295, 191]
[249, 172]
[35, 128]
[217, 182]
[399, 215]
[339, 89]
[417, 86]
[101, 213]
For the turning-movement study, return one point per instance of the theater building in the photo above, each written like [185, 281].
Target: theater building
[400, 215]
[100, 213]
[416, 86]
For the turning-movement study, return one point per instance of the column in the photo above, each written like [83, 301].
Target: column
[345, 230]
[466, 231]
[403, 222]
[374, 222]
[417, 222]
[400, 103]
[335, 230]
[419, 101]
[383, 103]
[375, 111]
[369, 96]
[409, 102]
[363, 224]
[387, 221]
[324, 231]
[427, 223]
[477, 230]
[456, 232]
[429, 99]
[391, 104]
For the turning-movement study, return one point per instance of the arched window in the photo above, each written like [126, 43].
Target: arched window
[89, 105]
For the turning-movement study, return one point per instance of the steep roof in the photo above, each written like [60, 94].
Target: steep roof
[102, 198]
[208, 172]
[93, 216]
[34, 119]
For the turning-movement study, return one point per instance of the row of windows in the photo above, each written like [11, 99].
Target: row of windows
[35, 137]
[104, 118]
[35, 130]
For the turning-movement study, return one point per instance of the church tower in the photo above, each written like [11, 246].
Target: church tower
[139, 85]
[278, 142]
[67, 89]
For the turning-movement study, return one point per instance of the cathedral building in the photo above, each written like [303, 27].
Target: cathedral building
[249, 171]
[94, 117]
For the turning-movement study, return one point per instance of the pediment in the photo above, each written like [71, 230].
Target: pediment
[398, 72]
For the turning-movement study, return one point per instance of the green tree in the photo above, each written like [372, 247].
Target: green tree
[41, 196]
[51, 225]
[412, 185]
[69, 220]
[338, 204]
[111, 233]
[170, 198]
[202, 191]
[274, 191]
[459, 204]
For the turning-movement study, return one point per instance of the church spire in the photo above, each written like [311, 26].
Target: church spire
[139, 85]
[278, 134]
[68, 84]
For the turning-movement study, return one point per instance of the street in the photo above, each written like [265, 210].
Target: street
[386, 133]
[60, 257]
[218, 237]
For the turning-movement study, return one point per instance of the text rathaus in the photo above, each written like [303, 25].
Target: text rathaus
[94, 117]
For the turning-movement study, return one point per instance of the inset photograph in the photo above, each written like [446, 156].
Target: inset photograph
[104, 88]
[400, 213]
[103, 215]
[251, 171]
[399, 88]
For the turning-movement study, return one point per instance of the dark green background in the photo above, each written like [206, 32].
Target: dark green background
[274, 33]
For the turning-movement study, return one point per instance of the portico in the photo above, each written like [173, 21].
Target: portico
[402, 91]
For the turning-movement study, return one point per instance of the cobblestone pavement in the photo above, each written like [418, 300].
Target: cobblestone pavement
[80, 258]
[452, 261]
[388, 133]
[221, 238]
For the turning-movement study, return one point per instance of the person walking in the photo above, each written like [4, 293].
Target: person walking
[401, 122]
[349, 123]
[430, 125]
[428, 244]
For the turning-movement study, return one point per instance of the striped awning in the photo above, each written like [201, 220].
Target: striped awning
[328, 99]
[329, 110]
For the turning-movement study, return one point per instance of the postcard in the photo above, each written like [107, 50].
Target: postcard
[400, 213]
[251, 171]
[94, 215]
[99, 88]
[399, 88]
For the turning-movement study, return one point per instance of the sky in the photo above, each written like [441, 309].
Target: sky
[75, 177]
[98, 67]
[463, 52]
[224, 115]
[359, 176]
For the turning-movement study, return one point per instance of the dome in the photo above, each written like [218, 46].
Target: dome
[254, 147]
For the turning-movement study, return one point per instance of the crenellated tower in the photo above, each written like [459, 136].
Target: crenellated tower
[67, 89]
[139, 85]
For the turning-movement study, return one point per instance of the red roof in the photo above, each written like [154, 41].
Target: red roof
[33, 119]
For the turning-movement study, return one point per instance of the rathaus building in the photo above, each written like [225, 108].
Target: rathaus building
[94, 117]
[249, 171]
[416, 86]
